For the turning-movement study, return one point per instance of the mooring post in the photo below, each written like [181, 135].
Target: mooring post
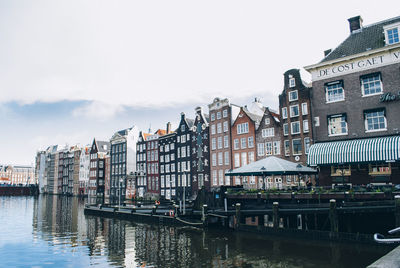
[204, 215]
[397, 210]
[153, 211]
[275, 214]
[333, 218]
[237, 223]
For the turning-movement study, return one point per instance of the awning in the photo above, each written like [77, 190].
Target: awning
[271, 166]
[355, 151]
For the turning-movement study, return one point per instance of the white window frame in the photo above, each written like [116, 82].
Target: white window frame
[332, 84]
[292, 128]
[285, 130]
[362, 79]
[391, 27]
[243, 143]
[290, 95]
[329, 125]
[260, 149]
[306, 126]
[293, 147]
[225, 126]
[292, 82]
[267, 121]
[225, 113]
[212, 116]
[213, 129]
[366, 122]
[286, 148]
[284, 113]
[304, 108]
[292, 111]
[269, 149]
[307, 148]
[268, 132]
[276, 147]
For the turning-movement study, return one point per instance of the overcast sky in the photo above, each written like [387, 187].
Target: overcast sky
[73, 70]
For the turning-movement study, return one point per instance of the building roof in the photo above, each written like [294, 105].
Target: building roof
[367, 38]
[103, 146]
[161, 132]
[255, 117]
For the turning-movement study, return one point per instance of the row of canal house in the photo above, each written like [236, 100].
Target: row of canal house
[345, 125]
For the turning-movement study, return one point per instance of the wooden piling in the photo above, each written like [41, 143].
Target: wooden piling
[275, 214]
[237, 222]
[204, 215]
[333, 218]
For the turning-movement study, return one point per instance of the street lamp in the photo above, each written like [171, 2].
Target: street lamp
[263, 177]
[119, 193]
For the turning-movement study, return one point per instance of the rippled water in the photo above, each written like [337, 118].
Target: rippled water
[52, 231]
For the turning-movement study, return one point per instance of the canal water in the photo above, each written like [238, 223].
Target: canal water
[52, 231]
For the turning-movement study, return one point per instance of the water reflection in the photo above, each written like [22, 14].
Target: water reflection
[63, 236]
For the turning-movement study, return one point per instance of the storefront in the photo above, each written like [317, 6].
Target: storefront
[357, 162]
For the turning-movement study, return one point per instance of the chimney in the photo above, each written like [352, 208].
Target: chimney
[355, 23]
[326, 52]
[168, 127]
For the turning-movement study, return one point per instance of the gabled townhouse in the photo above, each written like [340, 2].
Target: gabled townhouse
[200, 153]
[244, 148]
[98, 152]
[40, 167]
[295, 104]
[355, 105]
[123, 162]
[152, 163]
[107, 172]
[168, 164]
[221, 117]
[141, 164]
[84, 164]
[51, 170]
[183, 158]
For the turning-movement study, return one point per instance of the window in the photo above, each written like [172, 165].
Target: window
[226, 156]
[295, 126]
[268, 148]
[268, 132]
[236, 144]
[287, 147]
[375, 120]
[284, 112]
[267, 121]
[371, 84]
[337, 125]
[212, 117]
[306, 145]
[183, 128]
[334, 91]
[277, 147]
[294, 110]
[172, 146]
[221, 177]
[218, 115]
[292, 82]
[212, 129]
[243, 143]
[260, 149]
[225, 113]
[214, 175]
[297, 147]
[304, 108]
[213, 144]
[237, 160]
[293, 95]
[305, 126]
[392, 33]
[285, 129]
[220, 160]
[243, 128]
[251, 142]
[219, 128]
[219, 142]
[183, 138]
[244, 158]
[226, 142]
[225, 126]
[214, 160]
[251, 157]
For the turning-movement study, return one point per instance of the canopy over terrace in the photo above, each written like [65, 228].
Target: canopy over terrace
[271, 166]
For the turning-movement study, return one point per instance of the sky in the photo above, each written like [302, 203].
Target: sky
[74, 70]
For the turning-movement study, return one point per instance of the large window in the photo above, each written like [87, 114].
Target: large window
[305, 126]
[243, 128]
[287, 147]
[334, 91]
[236, 144]
[225, 113]
[371, 84]
[243, 143]
[285, 129]
[375, 120]
[225, 126]
[212, 129]
[226, 142]
[293, 95]
[392, 34]
[304, 108]
[268, 132]
[260, 149]
[219, 140]
[213, 144]
[250, 142]
[268, 148]
[294, 110]
[219, 128]
[277, 147]
[292, 82]
[237, 160]
[297, 147]
[295, 127]
[337, 125]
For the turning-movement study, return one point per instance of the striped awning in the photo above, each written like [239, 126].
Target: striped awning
[355, 151]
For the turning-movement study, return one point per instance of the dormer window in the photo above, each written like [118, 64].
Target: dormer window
[292, 82]
[392, 33]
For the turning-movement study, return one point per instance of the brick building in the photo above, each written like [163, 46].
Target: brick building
[356, 107]
[168, 165]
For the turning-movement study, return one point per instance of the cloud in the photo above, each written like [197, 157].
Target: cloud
[98, 110]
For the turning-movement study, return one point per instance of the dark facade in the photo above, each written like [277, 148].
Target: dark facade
[184, 159]
[168, 166]
[152, 161]
[200, 153]
[295, 108]
[141, 165]
[97, 169]
[356, 98]
[118, 169]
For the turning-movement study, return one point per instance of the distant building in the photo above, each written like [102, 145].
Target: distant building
[17, 175]
[123, 161]
[107, 172]
[200, 152]
[84, 164]
[221, 117]
[40, 167]
[152, 163]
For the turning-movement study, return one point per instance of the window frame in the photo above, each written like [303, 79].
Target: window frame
[291, 127]
[301, 144]
[372, 111]
[329, 117]
[284, 113]
[369, 76]
[298, 110]
[387, 28]
[337, 82]
[290, 95]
